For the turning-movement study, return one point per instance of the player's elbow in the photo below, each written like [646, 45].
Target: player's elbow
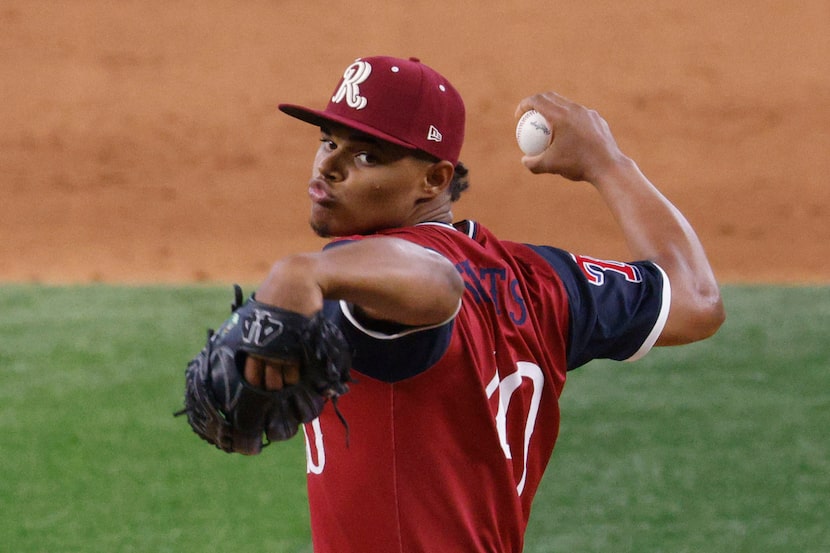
[694, 317]
[710, 315]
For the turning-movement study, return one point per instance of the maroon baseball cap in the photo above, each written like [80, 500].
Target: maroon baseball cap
[401, 101]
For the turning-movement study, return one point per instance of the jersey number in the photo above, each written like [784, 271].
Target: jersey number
[507, 387]
[315, 463]
[594, 269]
[526, 374]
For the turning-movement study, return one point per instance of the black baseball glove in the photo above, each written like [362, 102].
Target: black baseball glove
[223, 409]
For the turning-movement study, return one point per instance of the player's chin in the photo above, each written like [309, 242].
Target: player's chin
[319, 229]
[320, 221]
[326, 226]
[323, 220]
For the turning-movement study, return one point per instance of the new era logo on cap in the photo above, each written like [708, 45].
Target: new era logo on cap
[434, 134]
[401, 101]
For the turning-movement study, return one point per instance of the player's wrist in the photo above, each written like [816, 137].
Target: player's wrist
[616, 170]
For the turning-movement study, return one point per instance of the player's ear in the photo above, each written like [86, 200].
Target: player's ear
[438, 177]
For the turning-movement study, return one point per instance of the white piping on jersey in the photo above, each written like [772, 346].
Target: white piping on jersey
[471, 228]
[657, 329]
[435, 224]
[345, 307]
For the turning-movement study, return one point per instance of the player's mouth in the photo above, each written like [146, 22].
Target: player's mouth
[319, 192]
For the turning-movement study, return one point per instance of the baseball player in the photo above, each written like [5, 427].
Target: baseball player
[460, 341]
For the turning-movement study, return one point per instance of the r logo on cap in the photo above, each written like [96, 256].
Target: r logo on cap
[349, 89]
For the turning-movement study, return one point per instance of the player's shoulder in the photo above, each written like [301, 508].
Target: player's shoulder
[443, 238]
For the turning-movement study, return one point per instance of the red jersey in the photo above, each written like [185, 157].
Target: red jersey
[452, 426]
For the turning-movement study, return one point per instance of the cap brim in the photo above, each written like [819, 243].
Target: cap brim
[320, 118]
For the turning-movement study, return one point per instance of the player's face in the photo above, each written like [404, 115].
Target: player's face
[361, 184]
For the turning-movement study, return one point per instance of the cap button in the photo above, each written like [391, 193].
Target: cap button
[416, 60]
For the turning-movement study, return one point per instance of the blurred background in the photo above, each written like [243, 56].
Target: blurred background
[141, 141]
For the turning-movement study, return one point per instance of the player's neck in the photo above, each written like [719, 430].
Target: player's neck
[437, 210]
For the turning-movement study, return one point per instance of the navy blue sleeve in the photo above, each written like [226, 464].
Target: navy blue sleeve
[617, 310]
[389, 352]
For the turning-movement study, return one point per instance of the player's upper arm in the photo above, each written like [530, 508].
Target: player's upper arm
[617, 310]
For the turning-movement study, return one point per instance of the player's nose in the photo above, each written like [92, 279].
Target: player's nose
[329, 165]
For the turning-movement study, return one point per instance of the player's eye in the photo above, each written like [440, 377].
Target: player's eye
[327, 144]
[365, 158]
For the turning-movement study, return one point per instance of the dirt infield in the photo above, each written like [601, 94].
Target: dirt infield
[141, 143]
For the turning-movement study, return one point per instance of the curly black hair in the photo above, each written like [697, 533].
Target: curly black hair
[460, 182]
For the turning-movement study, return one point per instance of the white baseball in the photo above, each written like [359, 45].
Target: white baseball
[533, 133]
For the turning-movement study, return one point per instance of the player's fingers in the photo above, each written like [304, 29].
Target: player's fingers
[279, 374]
[254, 370]
[273, 377]
[544, 102]
[534, 163]
[291, 374]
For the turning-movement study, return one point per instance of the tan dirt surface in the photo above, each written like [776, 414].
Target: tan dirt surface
[140, 141]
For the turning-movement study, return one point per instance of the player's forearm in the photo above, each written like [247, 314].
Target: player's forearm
[406, 283]
[656, 230]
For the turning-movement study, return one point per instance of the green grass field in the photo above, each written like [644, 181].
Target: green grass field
[721, 446]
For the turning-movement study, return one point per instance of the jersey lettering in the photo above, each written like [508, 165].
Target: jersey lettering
[485, 285]
[520, 315]
[594, 269]
[527, 374]
[349, 89]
